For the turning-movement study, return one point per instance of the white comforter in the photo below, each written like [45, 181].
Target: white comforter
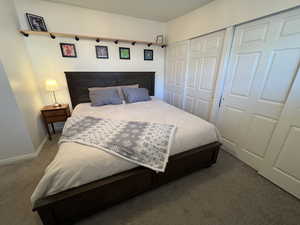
[77, 164]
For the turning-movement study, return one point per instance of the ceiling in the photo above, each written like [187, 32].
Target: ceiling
[159, 10]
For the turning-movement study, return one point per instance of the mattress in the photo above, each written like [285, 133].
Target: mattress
[77, 164]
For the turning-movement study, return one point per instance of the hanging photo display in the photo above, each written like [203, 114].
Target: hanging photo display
[68, 50]
[101, 52]
[148, 54]
[124, 53]
[159, 39]
[36, 23]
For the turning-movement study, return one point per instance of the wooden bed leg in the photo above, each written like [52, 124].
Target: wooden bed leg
[215, 156]
[47, 216]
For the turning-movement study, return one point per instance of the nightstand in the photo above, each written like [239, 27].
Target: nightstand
[52, 114]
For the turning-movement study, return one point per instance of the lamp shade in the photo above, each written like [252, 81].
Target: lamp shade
[51, 85]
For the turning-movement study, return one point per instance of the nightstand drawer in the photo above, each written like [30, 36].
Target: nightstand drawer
[53, 119]
[52, 114]
[58, 112]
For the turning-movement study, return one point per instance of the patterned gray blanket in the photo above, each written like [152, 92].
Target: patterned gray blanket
[143, 143]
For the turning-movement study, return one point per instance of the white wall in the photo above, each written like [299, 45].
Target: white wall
[46, 55]
[220, 14]
[19, 72]
[14, 137]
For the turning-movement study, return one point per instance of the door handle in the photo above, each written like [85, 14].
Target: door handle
[221, 100]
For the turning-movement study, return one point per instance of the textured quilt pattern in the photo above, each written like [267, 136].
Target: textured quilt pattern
[143, 143]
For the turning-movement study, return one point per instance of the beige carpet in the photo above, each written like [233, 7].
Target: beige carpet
[229, 193]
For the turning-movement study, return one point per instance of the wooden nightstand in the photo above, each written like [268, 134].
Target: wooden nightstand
[53, 114]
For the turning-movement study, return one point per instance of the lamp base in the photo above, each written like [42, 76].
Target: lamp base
[56, 105]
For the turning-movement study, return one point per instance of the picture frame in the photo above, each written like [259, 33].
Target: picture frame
[160, 39]
[148, 54]
[101, 52]
[36, 22]
[124, 53]
[68, 50]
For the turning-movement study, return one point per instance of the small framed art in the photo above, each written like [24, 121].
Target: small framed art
[124, 53]
[36, 23]
[68, 50]
[101, 52]
[148, 54]
[160, 39]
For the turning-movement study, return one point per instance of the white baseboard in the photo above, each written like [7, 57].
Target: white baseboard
[19, 158]
[39, 149]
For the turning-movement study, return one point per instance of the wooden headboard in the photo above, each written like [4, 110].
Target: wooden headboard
[79, 82]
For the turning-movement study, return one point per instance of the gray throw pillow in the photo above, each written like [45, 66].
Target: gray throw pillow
[136, 94]
[105, 97]
[118, 87]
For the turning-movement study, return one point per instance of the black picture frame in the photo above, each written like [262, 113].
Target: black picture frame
[101, 52]
[66, 55]
[148, 54]
[36, 22]
[121, 53]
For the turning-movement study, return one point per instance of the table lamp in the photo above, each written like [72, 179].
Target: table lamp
[51, 85]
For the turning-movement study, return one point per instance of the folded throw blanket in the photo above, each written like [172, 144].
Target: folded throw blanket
[146, 144]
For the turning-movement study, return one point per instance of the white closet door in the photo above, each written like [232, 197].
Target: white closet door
[175, 73]
[263, 65]
[204, 61]
[282, 161]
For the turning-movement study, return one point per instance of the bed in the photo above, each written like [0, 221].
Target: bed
[84, 180]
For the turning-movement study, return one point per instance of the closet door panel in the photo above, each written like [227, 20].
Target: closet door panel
[180, 73]
[272, 92]
[253, 36]
[230, 126]
[209, 73]
[262, 69]
[212, 43]
[194, 64]
[281, 164]
[177, 100]
[169, 80]
[265, 126]
[168, 97]
[202, 108]
[289, 28]
[189, 104]
[175, 73]
[197, 45]
[286, 161]
[203, 66]
[277, 85]
[243, 71]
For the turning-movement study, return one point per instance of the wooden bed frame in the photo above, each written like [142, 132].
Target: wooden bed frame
[74, 204]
